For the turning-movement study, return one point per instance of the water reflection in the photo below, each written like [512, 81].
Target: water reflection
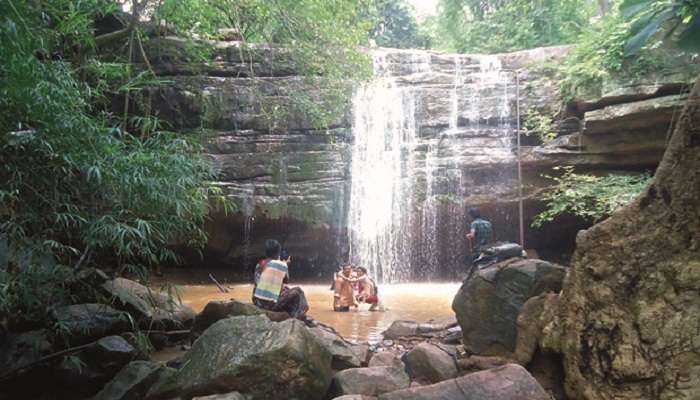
[414, 301]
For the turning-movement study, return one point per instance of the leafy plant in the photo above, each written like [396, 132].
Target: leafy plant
[80, 182]
[322, 36]
[599, 56]
[535, 123]
[588, 196]
[493, 26]
[397, 26]
[651, 15]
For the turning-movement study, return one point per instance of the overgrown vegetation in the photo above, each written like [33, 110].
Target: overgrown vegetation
[81, 184]
[493, 26]
[680, 19]
[540, 125]
[322, 36]
[599, 56]
[588, 196]
[397, 27]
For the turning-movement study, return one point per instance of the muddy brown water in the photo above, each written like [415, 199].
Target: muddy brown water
[406, 301]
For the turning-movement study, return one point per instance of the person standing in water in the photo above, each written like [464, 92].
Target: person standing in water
[480, 233]
[343, 290]
[368, 290]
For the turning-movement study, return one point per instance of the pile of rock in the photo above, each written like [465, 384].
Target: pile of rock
[80, 347]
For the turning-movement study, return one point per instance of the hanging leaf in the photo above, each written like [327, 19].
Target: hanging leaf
[638, 41]
[689, 39]
[629, 8]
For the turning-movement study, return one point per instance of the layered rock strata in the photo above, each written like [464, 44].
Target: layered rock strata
[292, 181]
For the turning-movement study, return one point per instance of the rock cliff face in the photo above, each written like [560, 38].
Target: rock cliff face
[293, 182]
[628, 317]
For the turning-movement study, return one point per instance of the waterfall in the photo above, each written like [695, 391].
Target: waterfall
[419, 128]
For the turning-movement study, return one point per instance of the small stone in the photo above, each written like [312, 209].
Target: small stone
[427, 363]
[370, 381]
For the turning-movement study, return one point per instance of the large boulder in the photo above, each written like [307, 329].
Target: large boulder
[405, 328]
[488, 303]
[628, 316]
[83, 374]
[20, 365]
[132, 382]
[536, 313]
[152, 309]
[217, 310]
[254, 356]
[370, 381]
[21, 350]
[84, 323]
[345, 354]
[110, 354]
[428, 363]
[386, 359]
[226, 396]
[510, 382]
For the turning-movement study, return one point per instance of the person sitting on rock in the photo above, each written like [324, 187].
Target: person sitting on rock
[343, 290]
[480, 234]
[270, 292]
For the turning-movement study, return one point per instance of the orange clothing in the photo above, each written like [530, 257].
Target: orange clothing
[344, 295]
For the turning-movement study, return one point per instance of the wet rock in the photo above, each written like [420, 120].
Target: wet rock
[648, 114]
[386, 359]
[74, 375]
[19, 363]
[152, 309]
[227, 396]
[21, 350]
[354, 397]
[399, 329]
[369, 381]
[84, 323]
[254, 356]
[110, 354]
[510, 382]
[132, 382]
[536, 313]
[218, 310]
[480, 363]
[345, 354]
[488, 303]
[428, 363]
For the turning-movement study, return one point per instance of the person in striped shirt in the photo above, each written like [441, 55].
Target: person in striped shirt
[270, 291]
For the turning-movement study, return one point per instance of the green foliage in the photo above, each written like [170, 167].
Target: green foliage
[588, 196]
[397, 27]
[323, 36]
[535, 123]
[492, 26]
[600, 56]
[27, 294]
[78, 180]
[650, 15]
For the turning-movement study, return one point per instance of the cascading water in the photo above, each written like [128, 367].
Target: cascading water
[415, 145]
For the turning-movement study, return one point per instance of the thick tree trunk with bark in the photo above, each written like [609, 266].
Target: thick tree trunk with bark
[628, 320]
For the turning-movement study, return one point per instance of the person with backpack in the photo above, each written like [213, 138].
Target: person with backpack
[480, 232]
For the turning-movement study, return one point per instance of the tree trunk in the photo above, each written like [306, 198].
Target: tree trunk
[628, 322]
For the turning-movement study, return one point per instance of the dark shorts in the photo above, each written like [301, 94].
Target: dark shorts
[291, 300]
